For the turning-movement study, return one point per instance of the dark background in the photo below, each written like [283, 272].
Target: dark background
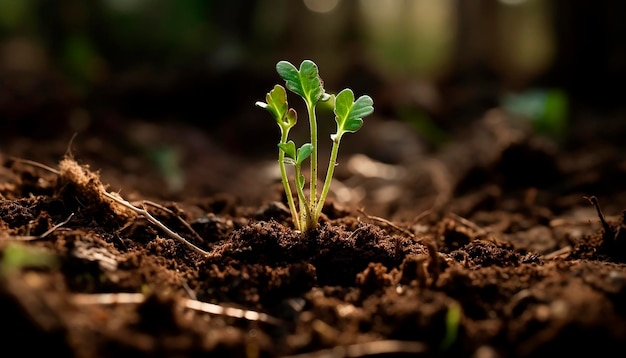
[72, 66]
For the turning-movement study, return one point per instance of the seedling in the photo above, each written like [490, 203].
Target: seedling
[349, 114]
[453, 321]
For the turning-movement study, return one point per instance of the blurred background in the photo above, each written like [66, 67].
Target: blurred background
[206, 62]
[71, 67]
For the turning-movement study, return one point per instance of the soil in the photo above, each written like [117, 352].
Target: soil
[498, 243]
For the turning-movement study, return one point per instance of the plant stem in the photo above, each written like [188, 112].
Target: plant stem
[305, 210]
[332, 162]
[312, 221]
[285, 180]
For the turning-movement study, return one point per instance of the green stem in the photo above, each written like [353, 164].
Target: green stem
[285, 180]
[313, 181]
[332, 162]
[305, 210]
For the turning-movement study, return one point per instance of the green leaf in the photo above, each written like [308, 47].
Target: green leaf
[277, 100]
[289, 148]
[291, 117]
[303, 152]
[278, 107]
[304, 82]
[300, 181]
[349, 113]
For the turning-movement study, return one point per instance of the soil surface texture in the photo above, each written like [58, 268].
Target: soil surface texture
[498, 243]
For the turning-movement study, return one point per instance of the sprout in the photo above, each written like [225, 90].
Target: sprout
[453, 321]
[349, 114]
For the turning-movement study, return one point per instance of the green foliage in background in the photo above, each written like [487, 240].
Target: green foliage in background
[546, 109]
[16, 256]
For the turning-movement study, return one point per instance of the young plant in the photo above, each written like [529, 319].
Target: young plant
[349, 114]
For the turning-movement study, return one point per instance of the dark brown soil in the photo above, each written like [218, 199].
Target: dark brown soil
[493, 245]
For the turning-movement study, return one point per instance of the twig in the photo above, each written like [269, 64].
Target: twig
[38, 237]
[469, 223]
[421, 216]
[386, 222]
[594, 201]
[56, 227]
[130, 206]
[36, 164]
[210, 308]
[153, 220]
[189, 291]
[362, 228]
[556, 253]
[366, 349]
[183, 222]
[232, 312]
